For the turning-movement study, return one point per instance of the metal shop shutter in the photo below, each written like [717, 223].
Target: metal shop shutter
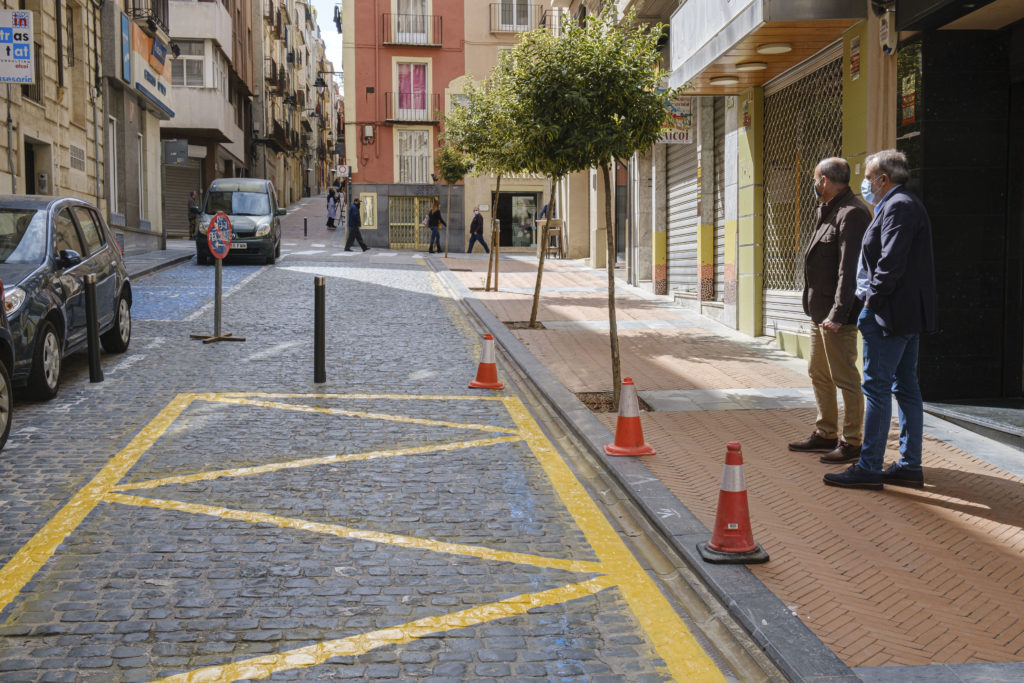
[683, 220]
[179, 180]
[802, 125]
[719, 197]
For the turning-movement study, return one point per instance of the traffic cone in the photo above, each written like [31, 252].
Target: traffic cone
[487, 372]
[629, 434]
[732, 541]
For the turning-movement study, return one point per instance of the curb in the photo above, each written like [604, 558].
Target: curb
[787, 641]
[151, 268]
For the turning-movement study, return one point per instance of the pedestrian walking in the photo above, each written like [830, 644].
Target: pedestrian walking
[354, 222]
[476, 232]
[434, 222]
[332, 208]
[193, 214]
[829, 298]
[896, 282]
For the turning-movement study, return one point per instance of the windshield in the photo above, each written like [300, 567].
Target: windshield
[22, 236]
[238, 203]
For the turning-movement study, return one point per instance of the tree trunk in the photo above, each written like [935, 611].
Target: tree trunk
[448, 228]
[492, 257]
[613, 329]
[543, 244]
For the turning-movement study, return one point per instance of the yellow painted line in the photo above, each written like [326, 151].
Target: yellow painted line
[359, 534]
[312, 655]
[364, 397]
[34, 554]
[683, 655]
[461, 322]
[310, 462]
[360, 414]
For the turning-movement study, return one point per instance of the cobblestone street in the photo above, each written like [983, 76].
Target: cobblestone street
[209, 513]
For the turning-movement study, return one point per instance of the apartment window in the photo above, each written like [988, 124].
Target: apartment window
[112, 144]
[411, 22]
[142, 180]
[413, 156]
[516, 15]
[34, 91]
[412, 92]
[187, 69]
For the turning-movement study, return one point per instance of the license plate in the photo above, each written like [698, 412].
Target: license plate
[241, 246]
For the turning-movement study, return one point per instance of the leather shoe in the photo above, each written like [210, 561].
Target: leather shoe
[347, 249]
[816, 443]
[855, 478]
[900, 476]
[844, 452]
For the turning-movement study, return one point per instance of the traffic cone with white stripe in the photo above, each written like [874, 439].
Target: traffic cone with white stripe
[629, 433]
[487, 371]
[732, 541]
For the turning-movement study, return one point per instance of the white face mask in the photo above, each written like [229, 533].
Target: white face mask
[867, 193]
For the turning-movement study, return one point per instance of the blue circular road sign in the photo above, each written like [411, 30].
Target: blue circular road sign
[218, 236]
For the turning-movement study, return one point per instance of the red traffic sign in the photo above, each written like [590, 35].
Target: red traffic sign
[218, 236]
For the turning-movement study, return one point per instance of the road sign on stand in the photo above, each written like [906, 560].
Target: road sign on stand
[218, 238]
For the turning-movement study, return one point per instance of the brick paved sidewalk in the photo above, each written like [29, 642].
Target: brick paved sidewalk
[895, 578]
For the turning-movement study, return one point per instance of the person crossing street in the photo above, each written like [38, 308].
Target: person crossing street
[354, 222]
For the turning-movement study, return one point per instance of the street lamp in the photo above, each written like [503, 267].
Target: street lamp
[320, 83]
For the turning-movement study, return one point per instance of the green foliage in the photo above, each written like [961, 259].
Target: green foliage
[452, 165]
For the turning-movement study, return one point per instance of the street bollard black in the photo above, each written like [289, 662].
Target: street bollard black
[319, 330]
[305, 227]
[92, 329]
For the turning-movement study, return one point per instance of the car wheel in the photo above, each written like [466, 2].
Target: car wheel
[115, 340]
[6, 404]
[44, 380]
[277, 250]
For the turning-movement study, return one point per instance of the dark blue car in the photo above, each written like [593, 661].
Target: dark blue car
[6, 363]
[47, 247]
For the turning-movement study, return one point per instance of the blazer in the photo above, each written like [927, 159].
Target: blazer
[898, 266]
[354, 220]
[830, 265]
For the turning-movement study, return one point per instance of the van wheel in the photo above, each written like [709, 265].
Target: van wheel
[6, 404]
[44, 379]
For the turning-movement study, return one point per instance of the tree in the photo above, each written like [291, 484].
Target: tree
[453, 166]
[584, 99]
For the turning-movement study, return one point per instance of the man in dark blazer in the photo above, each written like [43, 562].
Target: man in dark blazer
[830, 278]
[896, 282]
[354, 223]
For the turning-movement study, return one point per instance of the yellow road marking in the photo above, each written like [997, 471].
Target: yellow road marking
[399, 540]
[312, 655]
[683, 655]
[309, 462]
[34, 554]
[361, 414]
[360, 397]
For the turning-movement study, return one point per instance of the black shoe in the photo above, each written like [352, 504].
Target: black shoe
[900, 476]
[366, 249]
[844, 452]
[816, 443]
[347, 249]
[855, 478]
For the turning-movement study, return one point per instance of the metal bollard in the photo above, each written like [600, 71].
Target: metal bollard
[319, 330]
[93, 329]
[305, 227]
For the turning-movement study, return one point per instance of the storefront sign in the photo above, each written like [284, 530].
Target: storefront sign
[16, 54]
[149, 76]
[679, 128]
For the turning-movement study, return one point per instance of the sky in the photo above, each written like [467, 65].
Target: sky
[328, 31]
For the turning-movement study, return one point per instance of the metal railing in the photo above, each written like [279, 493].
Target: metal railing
[413, 168]
[157, 10]
[554, 20]
[399, 107]
[515, 17]
[412, 29]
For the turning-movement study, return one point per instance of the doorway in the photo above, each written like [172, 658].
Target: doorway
[38, 167]
[516, 213]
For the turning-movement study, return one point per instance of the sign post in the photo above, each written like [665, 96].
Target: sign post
[17, 61]
[218, 238]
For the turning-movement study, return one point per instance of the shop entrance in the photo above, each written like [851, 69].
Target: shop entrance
[516, 212]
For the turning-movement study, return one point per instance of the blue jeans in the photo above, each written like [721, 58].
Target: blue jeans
[473, 238]
[435, 237]
[890, 368]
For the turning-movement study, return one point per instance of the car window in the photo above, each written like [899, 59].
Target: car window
[67, 235]
[87, 222]
[22, 236]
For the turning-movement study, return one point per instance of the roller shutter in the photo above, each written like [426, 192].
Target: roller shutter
[179, 180]
[719, 197]
[683, 221]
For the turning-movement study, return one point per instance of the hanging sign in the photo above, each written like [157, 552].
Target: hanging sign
[679, 128]
[17, 64]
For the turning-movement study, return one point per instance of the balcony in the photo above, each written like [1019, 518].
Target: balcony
[554, 21]
[153, 14]
[515, 17]
[422, 108]
[412, 29]
[413, 169]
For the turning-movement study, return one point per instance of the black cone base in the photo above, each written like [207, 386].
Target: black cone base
[755, 556]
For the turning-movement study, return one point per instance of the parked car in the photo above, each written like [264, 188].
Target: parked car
[6, 362]
[251, 206]
[47, 247]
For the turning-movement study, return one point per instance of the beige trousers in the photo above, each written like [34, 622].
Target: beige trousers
[833, 365]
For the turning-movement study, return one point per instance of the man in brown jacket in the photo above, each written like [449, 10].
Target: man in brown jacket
[830, 280]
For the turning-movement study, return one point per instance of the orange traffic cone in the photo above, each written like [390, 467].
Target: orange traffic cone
[487, 372]
[629, 434]
[732, 541]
